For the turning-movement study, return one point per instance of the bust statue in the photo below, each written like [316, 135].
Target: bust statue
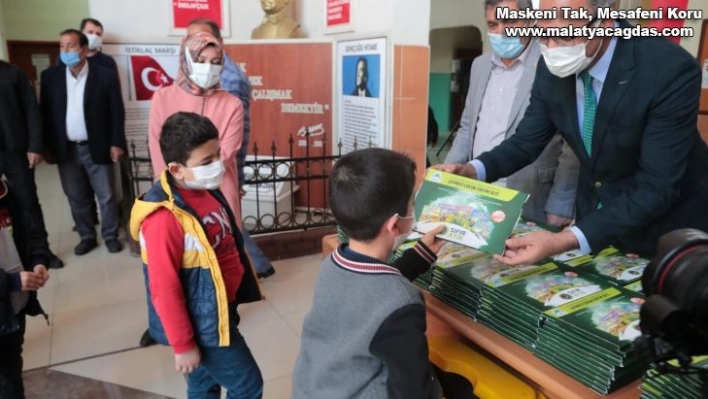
[277, 23]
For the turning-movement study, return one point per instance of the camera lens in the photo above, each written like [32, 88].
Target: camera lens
[679, 272]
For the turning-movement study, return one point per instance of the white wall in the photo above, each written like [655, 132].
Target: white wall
[411, 21]
[124, 23]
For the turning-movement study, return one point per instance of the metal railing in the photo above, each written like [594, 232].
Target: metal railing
[283, 193]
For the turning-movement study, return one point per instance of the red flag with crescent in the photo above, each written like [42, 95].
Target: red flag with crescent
[148, 76]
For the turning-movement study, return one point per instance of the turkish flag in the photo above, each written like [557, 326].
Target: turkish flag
[148, 76]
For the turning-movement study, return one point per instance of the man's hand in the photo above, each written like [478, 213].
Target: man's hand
[462, 169]
[535, 246]
[41, 272]
[34, 159]
[241, 193]
[116, 153]
[431, 241]
[31, 281]
[188, 361]
[558, 221]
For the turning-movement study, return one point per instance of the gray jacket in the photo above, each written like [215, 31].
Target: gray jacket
[365, 335]
[552, 180]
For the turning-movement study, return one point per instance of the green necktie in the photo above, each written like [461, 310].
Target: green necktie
[590, 106]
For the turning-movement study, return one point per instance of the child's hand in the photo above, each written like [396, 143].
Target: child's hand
[431, 241]
[41, 271]
[31, 281]
[188, 361]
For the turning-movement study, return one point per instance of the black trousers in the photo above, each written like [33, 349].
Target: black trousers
[15, 167]
[11, 386]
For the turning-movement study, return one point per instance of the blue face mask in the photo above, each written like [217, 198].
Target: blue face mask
[506, 46]
[70, 58]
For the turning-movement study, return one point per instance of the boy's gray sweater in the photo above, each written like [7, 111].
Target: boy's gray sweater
[365, 334]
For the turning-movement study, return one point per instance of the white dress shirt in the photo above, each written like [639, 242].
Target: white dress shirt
[75, 120]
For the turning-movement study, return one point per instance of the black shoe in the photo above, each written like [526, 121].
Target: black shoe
[266, 273]
[146, 340]
[55, 262]
[85, 246]
[114, 246]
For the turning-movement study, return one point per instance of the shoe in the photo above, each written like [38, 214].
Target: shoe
[55, 262]
[146, 340]
[266, 273]
[114, 246]
[85, 246]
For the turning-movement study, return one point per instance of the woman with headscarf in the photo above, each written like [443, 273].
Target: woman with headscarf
[197, 90]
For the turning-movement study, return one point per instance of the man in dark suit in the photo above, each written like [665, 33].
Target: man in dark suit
[362, 79]
[21, 148]
[84, 121]
[642, 160]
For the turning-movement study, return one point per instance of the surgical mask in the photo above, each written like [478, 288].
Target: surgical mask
[206, 177]
[402, 238]
[564, 61]
[95, 41]
[70, 58]
[205, 76]
[506, 46]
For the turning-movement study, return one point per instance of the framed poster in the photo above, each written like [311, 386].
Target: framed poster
[184, 11]
[703, 60]
[143, 69]
[339, 17]
[361, 93]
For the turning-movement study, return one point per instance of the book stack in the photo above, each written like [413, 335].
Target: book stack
[613, 266]
[453, 282]
[592, 339]
[664, 386]
[515, 305]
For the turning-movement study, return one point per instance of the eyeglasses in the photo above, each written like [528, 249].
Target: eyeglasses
[564, 41]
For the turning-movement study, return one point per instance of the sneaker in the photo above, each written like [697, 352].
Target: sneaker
[114, 246]
[266, 274]
[85, 246]
[146, 340]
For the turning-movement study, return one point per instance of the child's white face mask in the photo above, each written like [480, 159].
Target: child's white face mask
[206, 177]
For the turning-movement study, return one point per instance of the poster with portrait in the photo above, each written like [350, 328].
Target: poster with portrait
[361, 93]
[142, 69]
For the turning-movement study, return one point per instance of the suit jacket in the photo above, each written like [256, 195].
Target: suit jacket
[648, 160]
[103, 111]
[551, 180]
[20, 123]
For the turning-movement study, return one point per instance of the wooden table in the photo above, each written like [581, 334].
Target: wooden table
[444, 320]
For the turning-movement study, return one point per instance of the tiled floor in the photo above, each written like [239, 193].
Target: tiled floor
[98, 313]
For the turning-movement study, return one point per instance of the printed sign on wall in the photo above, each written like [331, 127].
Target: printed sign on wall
[339, 16]
[184, 11]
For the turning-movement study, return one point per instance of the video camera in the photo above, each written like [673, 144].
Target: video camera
[674, 318]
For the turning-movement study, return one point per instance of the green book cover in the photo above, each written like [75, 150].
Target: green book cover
[554, 288]
[475, 214]
[612, 316]
[452, 254]
[613, 265]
